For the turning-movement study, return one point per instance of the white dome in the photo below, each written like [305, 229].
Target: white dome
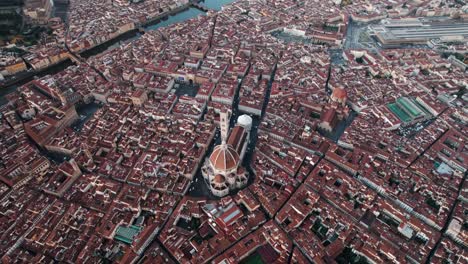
[245, 121]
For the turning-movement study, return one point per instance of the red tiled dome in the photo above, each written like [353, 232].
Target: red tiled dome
[224, 158]
[339, 94]
[219, 179]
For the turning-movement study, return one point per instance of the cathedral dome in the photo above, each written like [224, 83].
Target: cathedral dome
[339, 94]
[224, 158]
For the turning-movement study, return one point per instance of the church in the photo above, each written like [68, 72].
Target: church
[222, 170]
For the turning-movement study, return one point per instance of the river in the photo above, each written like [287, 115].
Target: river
[61, 9]
[191, 13]
[179, 17]
[184, 15]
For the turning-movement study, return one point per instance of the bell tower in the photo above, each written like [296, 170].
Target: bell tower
[224, 125]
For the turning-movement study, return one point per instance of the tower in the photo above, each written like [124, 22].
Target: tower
[224, 125]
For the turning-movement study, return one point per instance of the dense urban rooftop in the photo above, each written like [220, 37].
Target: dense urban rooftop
[358, 150]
